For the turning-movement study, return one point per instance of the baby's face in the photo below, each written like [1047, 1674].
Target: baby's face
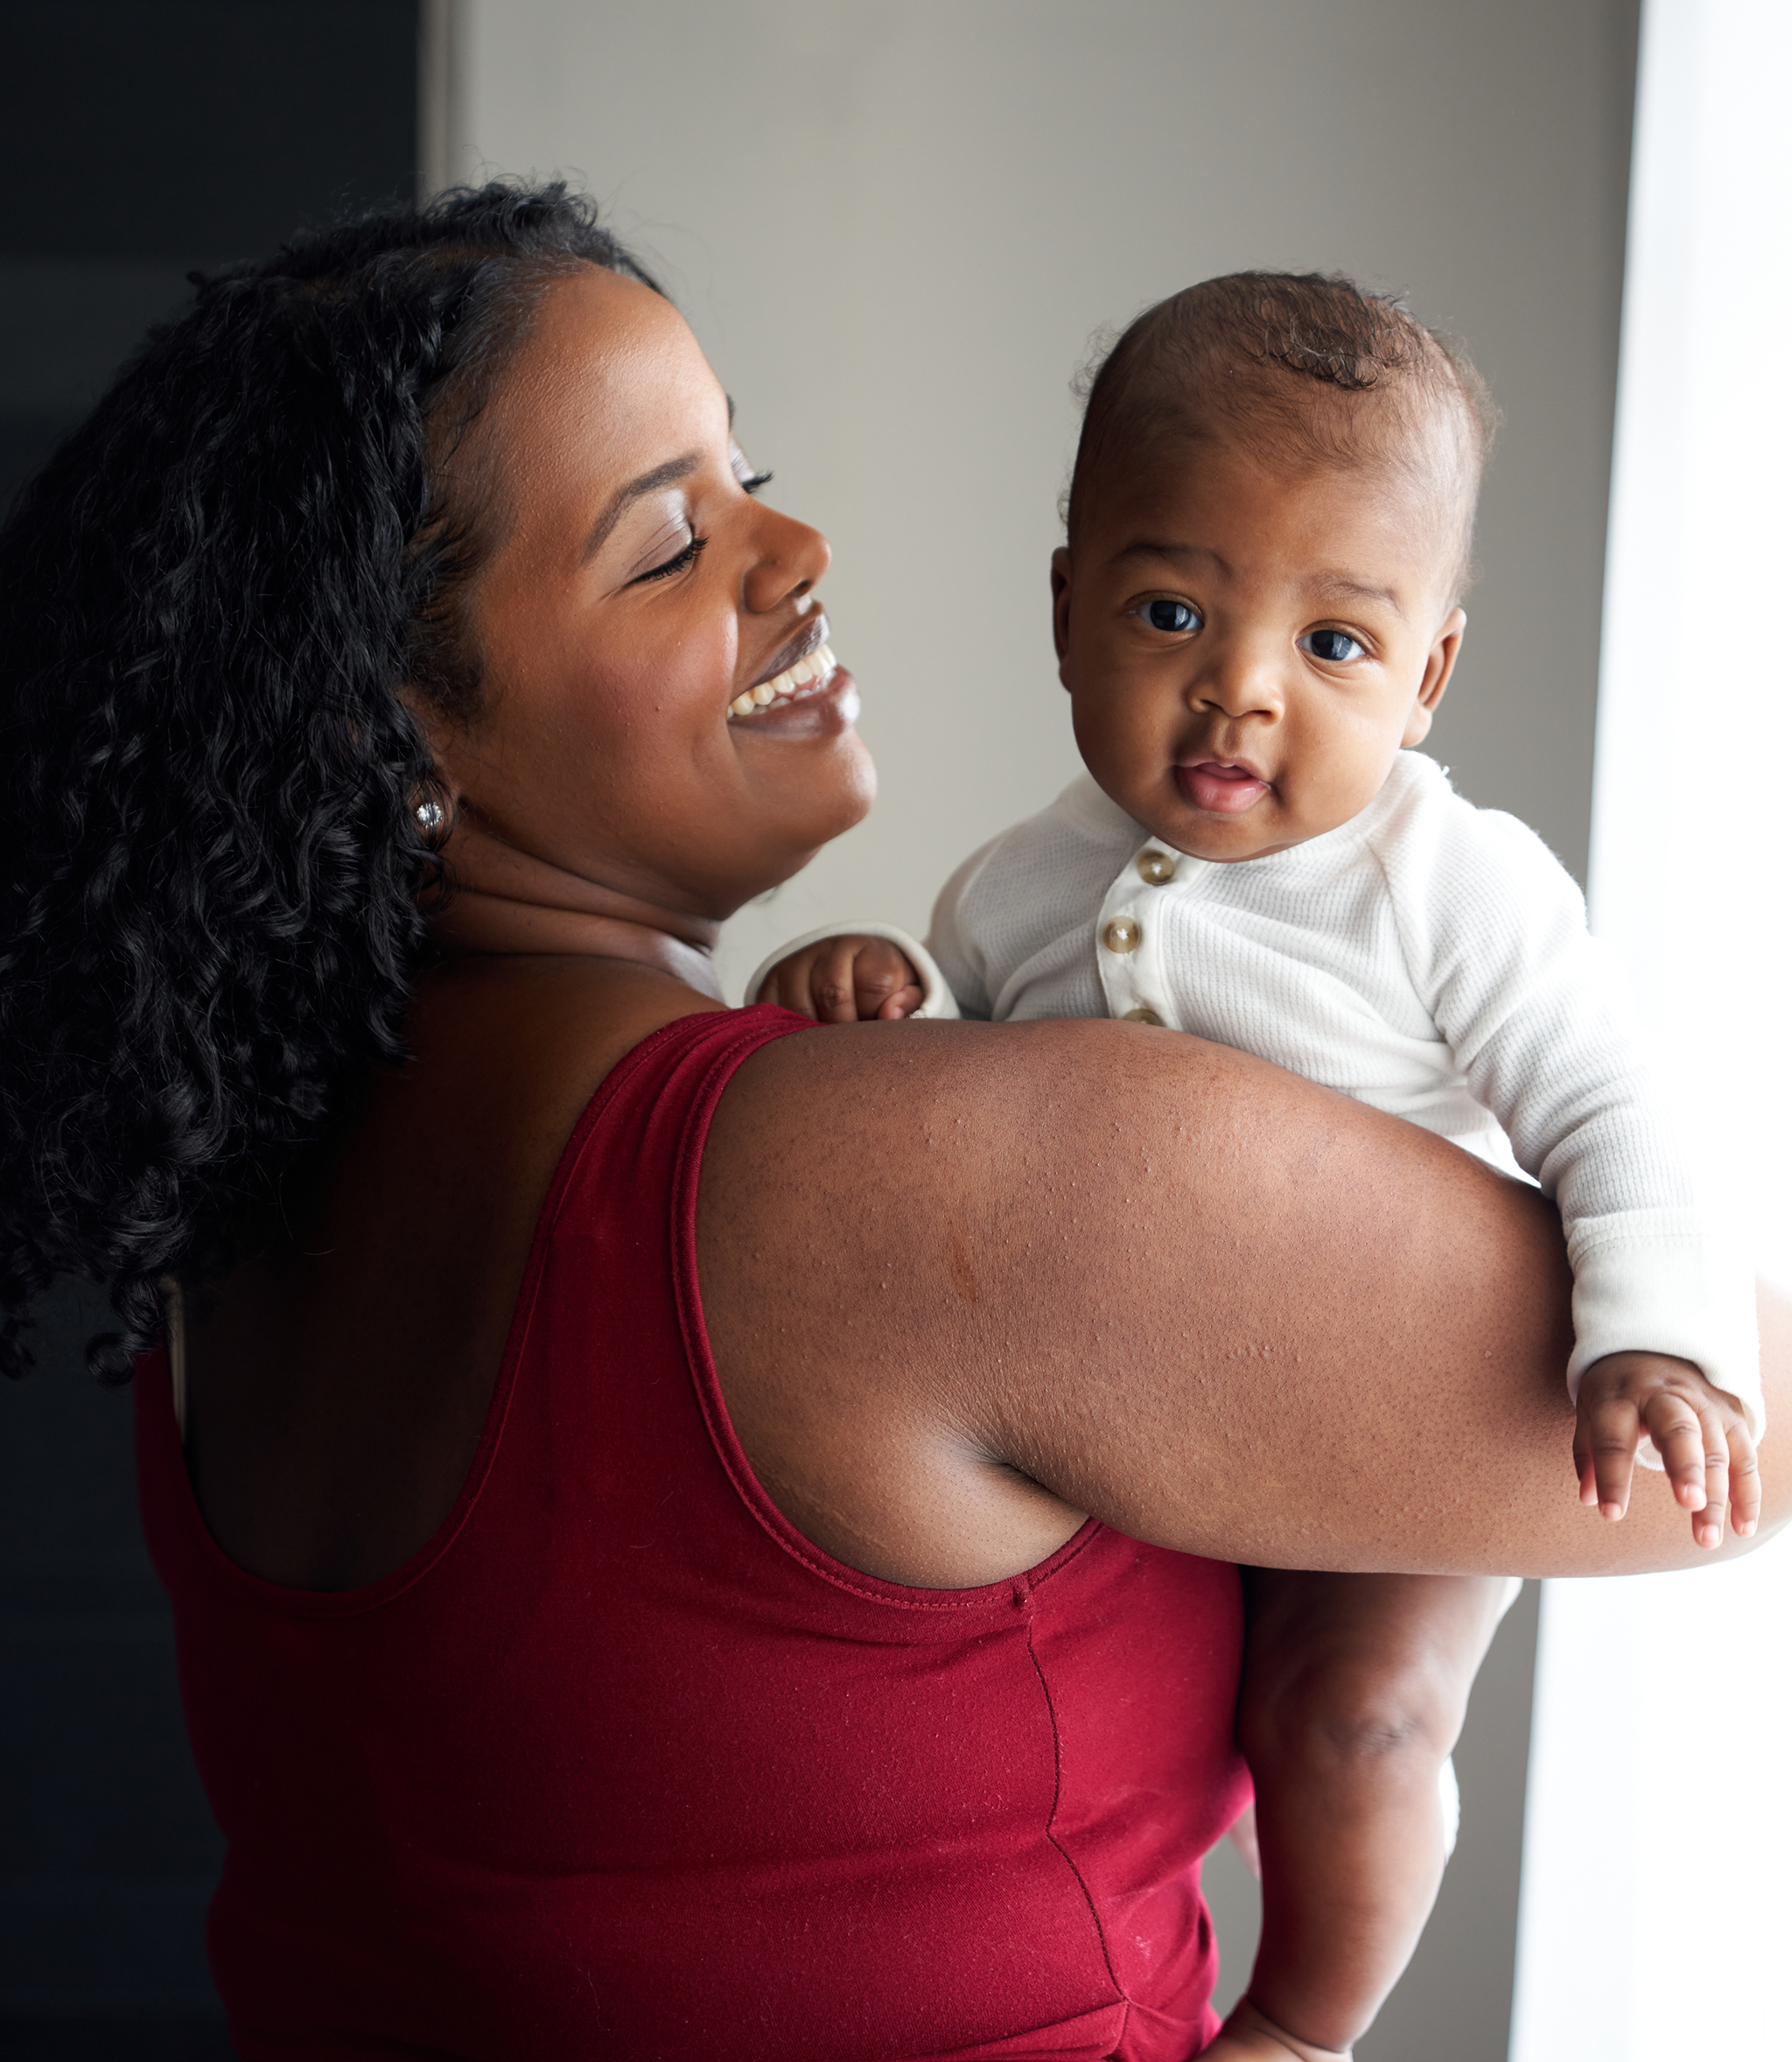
[1246, 650]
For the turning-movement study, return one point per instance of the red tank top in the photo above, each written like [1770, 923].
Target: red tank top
[621, 1765]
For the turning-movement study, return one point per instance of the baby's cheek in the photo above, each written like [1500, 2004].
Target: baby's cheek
[1123, 752]
[1336, 777]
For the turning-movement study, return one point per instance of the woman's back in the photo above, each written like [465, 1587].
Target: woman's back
[621, 1763]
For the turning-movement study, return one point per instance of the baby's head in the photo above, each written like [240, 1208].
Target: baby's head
[1269, 524]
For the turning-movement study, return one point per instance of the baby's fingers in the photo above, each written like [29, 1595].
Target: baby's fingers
[883, 982]
[1606, 1433]
[1745, 1481]
[833, 981]
[903, 1003]
[1696, 1457]
[788, 985]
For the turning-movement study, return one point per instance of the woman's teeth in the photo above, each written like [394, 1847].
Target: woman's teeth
[817, 666]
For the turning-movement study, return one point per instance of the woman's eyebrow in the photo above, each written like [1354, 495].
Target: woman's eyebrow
[666, 475]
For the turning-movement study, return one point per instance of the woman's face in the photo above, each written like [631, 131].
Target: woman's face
[637, 591]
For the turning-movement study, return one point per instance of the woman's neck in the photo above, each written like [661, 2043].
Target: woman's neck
[479, 922]
[507, 902]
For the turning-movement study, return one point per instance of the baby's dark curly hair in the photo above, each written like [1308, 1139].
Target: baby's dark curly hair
[212, 870]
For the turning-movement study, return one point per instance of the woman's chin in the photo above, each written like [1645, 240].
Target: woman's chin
[808, 821]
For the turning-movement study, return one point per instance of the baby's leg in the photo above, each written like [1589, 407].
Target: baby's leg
[1354, 1690]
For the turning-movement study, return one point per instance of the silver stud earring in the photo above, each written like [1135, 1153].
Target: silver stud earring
[429, 814]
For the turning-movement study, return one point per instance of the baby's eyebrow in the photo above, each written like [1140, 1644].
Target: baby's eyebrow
[1156, 547]
[1343, 583]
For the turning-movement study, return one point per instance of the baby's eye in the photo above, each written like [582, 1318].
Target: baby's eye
[1337, 647]
[1179, 617]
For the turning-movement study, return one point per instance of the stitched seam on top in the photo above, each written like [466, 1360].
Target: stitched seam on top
[1051, 1822]
[705, 1381]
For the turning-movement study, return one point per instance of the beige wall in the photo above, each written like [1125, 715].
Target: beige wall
[894, 227]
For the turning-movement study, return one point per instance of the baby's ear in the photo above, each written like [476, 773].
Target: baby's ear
[1439, 664]
[1060, 604]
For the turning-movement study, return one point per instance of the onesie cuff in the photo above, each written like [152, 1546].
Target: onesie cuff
[937, 1003]
[1649, 1282]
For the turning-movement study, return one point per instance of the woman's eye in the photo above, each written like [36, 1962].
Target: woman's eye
[1178, 617]
[677, 563]
[1336, 648]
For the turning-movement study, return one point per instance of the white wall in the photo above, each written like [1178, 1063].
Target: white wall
[1652, 1690]
[894, 227]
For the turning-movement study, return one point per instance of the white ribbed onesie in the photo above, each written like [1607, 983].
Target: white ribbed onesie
[1429, 957]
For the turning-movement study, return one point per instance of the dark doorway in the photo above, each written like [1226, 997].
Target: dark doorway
[139, 139]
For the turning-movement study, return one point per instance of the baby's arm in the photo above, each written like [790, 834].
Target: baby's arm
[1353, 1692]
[1496, 937]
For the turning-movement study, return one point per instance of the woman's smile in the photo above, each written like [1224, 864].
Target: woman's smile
[816, 697]
[803, 669]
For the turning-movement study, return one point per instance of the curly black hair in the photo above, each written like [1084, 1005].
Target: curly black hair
[212, 870]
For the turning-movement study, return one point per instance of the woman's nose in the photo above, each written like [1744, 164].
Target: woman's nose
[790, 560]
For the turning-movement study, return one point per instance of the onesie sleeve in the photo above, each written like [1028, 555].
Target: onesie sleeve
[954, 939]
[1495, 932]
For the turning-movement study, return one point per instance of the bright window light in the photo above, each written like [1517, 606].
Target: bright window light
[1657, 1908]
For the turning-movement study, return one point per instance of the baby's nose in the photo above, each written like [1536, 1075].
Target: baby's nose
[1243, 687]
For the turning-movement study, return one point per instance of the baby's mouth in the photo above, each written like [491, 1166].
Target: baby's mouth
[1221, 786]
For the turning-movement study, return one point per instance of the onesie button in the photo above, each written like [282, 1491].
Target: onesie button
[1141, 1016]
[1121, 935]
[1155, 868]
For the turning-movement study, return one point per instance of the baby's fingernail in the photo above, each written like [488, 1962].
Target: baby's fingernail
[1611, 1511]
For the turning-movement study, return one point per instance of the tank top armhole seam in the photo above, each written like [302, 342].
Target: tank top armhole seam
[706, 1383]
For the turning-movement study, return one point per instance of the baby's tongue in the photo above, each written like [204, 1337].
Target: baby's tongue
[1225, 788]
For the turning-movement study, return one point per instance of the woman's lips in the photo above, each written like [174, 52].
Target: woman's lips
[1219, 787]
[824, 706]
[807, 676]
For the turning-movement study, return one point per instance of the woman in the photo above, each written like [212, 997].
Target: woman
[842, 1661]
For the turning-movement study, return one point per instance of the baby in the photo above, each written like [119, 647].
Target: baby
[1257, 611]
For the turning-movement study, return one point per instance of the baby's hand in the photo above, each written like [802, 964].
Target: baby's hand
[845, 980]
[1699, 1431]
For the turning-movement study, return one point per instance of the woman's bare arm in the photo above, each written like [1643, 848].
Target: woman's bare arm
[967, 1283]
